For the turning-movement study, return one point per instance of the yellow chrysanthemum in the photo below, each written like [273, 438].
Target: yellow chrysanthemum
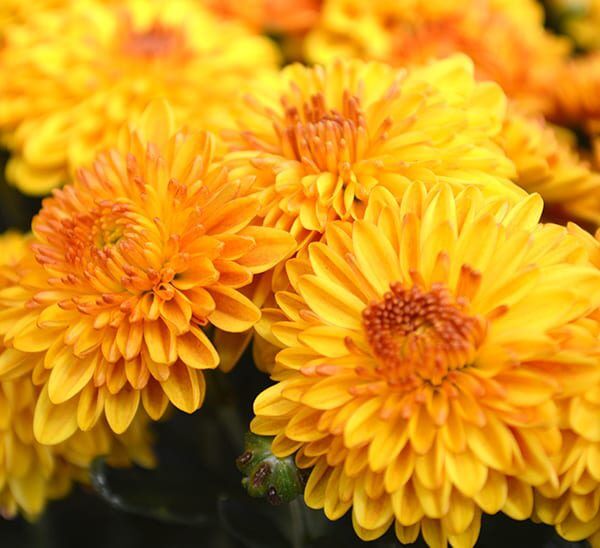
[421, 371]
[505, 38]
[15, 10]
[31, 473]
[318, 140]
[576, 94]
[547, 163]
[78, 72]
[573, 504]
[137, 256]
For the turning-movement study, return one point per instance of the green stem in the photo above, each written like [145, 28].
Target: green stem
[297, 523]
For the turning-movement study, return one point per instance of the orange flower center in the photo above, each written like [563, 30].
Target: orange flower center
[419, 335]
[157, 41]
[323, 139]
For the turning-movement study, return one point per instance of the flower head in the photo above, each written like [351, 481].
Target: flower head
[547, 163]
[33, 473]
[421, 366]
[136, 257]
[576, 94]
[118, 56]
[279, 16]
[573, 504]
[319, 140]
[514, 49]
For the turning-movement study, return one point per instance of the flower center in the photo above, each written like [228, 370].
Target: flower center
[323, 139]
[157, 41]
[419, 335]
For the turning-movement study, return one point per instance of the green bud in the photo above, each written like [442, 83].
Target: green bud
[265, 475]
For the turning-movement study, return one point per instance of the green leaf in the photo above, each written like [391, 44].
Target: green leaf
[165, 495]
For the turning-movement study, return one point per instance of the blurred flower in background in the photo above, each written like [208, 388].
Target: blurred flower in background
[505, 38]
[80, 71]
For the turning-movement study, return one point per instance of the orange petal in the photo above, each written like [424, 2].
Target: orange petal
[234, 312]
[154, 399]
[271, 247]
[161, 343]
[120, 409]
[196, 351]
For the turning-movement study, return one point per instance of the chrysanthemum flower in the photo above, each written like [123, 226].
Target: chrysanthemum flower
[15, 10]
[547, 163]
[573, 504]
[279, 16]
[420, 373]
[31, 473]
[318, 140]
[78, 72]
[137, 256]
[505, 38]
[576, 94]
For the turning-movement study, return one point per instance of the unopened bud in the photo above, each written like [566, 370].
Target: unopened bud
[277, 480]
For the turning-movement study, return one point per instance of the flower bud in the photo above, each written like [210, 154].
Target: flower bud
[265, 475]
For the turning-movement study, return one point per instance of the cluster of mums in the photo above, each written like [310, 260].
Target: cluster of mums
[370, 224]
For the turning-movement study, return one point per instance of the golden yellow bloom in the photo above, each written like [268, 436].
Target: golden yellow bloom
[577, 94]
[14, 10]
[420, 373]
[547, 163]
[505, 38]
[319, 140]
[573, 504]
[79, 72]
[31, 473]
[139, 254]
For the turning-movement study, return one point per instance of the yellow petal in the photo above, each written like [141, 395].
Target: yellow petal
[184, 387]
[52, 423]
[334, 304]
[376, 257]
[120, 409]
[68, 377]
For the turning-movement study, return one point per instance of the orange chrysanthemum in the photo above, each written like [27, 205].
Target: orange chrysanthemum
[576, 94]
[422, 366]
[31, 473]
[118, 56]
[318, 140]
[505, 38]
[279, 16]
[136, 257]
